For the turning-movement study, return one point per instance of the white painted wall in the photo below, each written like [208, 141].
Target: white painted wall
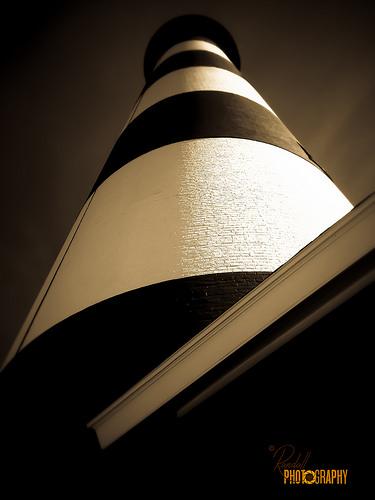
[190, 208]
[192, 45]
[198, 78]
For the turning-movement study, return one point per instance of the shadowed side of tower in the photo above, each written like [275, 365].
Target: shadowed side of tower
[204, 195]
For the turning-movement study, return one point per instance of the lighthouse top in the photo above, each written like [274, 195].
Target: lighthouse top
[188, 27]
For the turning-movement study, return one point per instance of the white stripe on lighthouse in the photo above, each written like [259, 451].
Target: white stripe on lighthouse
[190, 208]
[22, 334]
[198, 78]
[192, 45]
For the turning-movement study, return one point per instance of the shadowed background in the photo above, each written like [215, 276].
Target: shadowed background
[71, 72]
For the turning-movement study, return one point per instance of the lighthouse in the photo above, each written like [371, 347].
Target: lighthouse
[205, 196]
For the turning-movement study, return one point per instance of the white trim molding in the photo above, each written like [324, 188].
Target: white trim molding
[334, 251]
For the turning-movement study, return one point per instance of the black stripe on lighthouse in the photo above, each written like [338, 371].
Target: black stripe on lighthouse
[187, 59]
[92, 357]
[196, 115]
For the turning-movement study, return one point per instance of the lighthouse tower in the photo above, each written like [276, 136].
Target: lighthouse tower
[205, 194]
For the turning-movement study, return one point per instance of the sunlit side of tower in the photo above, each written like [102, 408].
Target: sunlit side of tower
[204, 195]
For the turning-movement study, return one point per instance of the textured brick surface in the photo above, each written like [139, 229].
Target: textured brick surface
[246, 205]
[191, 208]
[205, 297]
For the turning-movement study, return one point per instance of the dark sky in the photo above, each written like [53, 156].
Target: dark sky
[71, 72]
